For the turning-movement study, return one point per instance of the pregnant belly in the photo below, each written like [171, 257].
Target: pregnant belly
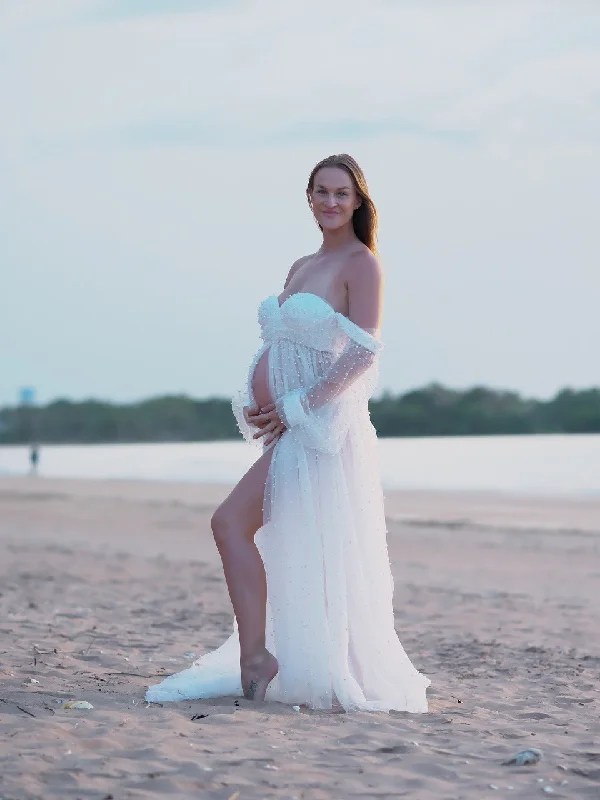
[260, 381]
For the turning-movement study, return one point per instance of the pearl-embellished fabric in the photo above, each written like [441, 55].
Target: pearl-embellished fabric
[330, 620]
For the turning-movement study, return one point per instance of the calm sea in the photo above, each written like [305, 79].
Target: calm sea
[567, 465]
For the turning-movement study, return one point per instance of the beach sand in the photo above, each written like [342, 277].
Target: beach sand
[107, 586]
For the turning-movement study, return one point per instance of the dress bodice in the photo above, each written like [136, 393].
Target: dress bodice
[303, 318]
[308, 319]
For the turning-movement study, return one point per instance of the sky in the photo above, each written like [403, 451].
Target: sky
[154, 156]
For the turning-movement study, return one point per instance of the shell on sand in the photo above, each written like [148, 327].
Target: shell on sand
[525, 757]
[77, 704]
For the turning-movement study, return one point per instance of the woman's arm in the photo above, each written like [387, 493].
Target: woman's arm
[364, 282]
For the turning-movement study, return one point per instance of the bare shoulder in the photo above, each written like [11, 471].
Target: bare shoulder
[295, 267]
[364, 282]
[363, 269]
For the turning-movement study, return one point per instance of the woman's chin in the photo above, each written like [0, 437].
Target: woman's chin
[331, 222]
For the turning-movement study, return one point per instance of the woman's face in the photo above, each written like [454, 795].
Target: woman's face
[334, 198]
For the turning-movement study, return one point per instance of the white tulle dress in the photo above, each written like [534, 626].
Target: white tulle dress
[330, 620]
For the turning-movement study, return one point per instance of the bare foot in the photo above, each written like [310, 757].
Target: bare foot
[257, 674]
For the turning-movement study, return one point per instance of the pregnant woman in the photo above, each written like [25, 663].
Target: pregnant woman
[302, 536]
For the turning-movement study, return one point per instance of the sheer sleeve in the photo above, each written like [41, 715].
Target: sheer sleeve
[320, 414]
[238, 401]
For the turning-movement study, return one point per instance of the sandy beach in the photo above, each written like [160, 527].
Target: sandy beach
[107, 586]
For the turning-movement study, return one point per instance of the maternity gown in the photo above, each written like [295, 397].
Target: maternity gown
[330, 620]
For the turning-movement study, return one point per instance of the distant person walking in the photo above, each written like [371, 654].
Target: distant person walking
[34, 457]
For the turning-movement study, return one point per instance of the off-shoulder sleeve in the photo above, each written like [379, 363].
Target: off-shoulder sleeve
[317, 413]
[368, 338]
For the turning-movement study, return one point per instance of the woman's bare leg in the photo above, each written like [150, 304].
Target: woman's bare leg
[234, 524]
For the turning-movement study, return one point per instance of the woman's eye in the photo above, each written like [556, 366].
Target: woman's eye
[342, 194]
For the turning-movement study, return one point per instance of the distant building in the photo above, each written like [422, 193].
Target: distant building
[26, 396]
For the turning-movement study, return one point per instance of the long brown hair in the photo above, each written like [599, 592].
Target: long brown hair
[364, 219]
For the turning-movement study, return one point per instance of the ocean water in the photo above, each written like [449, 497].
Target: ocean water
[565, 465]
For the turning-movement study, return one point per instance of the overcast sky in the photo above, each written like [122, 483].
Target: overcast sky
[154, 155]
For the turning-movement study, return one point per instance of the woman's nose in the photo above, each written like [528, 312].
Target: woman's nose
[331, 201]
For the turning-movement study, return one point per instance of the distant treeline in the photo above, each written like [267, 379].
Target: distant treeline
[430, 411]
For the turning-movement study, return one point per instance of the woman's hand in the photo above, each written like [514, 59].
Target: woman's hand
[269, 422]
[250, 412]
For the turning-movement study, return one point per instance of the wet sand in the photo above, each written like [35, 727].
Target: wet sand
[107, 586]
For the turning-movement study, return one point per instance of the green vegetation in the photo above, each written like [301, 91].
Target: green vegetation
[430, 411]
[437, 411]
